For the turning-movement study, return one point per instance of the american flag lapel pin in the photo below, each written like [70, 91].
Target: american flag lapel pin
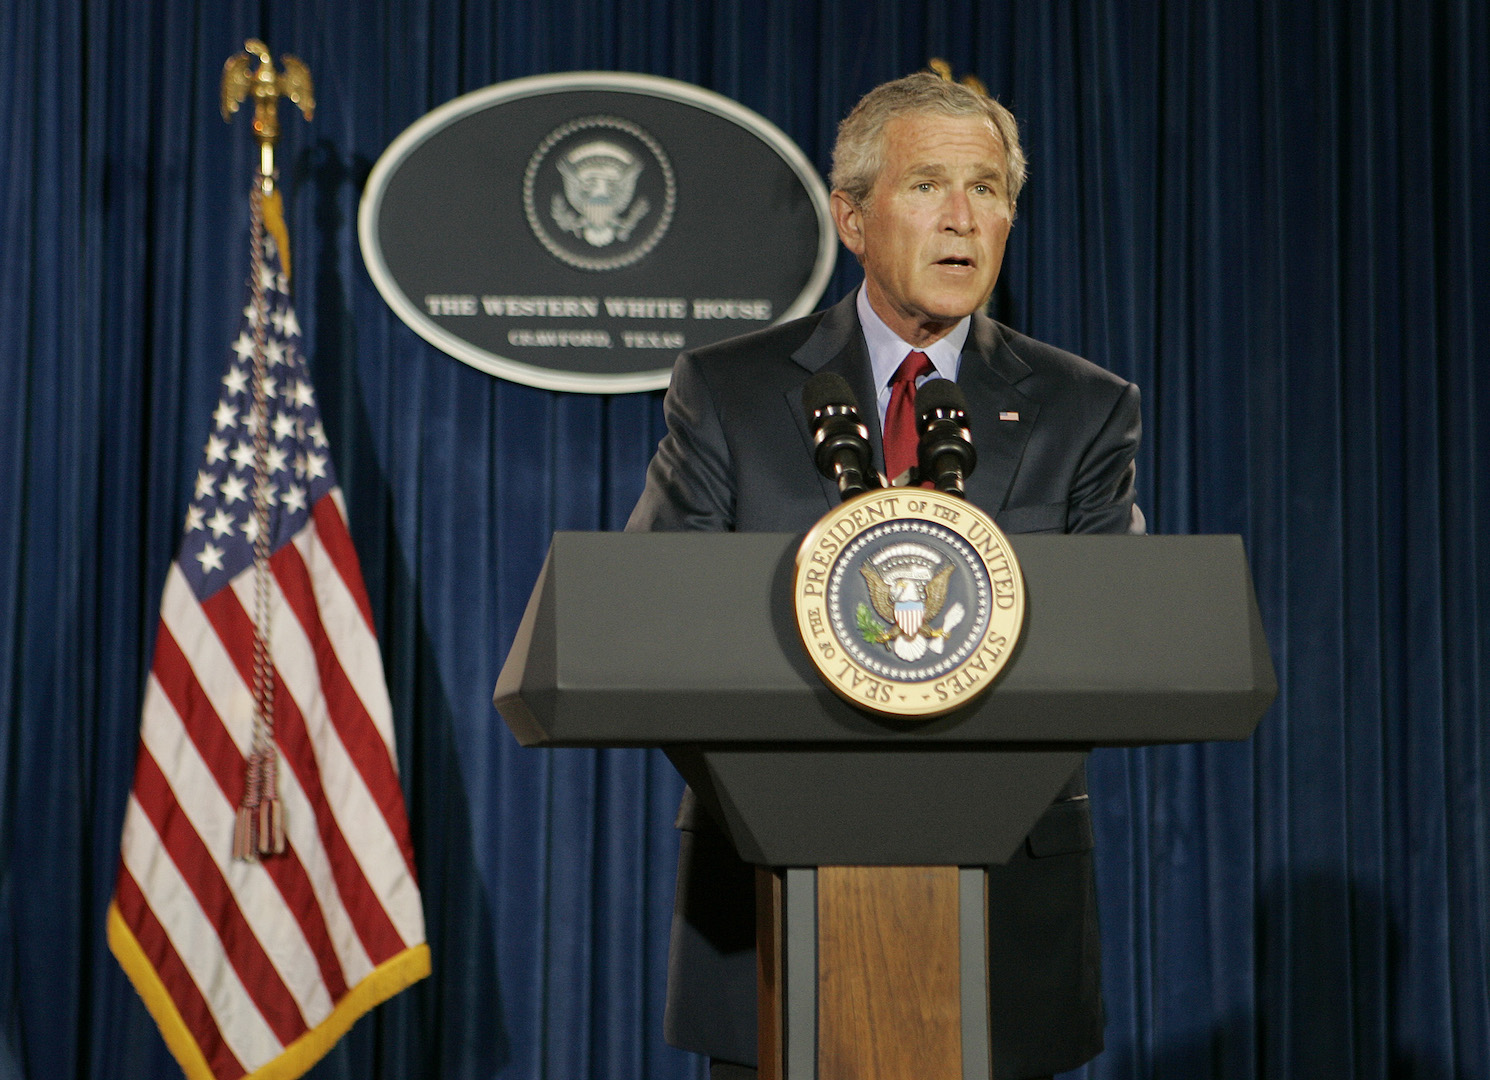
[1008, 414]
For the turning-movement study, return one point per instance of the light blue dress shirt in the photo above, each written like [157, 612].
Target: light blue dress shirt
[887, 351]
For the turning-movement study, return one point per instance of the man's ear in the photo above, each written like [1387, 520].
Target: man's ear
[848, 218]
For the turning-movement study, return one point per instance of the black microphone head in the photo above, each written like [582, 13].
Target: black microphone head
[939, 395]
[824, 389]
[840, 441]
[945, 454]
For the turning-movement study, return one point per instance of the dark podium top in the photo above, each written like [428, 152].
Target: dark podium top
[646, 639]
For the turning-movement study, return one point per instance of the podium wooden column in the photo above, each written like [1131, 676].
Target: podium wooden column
[889, 979]
[686, 641]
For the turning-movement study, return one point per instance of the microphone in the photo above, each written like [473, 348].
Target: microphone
[945, 456]
[840, 439]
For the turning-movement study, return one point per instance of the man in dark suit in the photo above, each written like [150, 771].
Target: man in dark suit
[926, 174]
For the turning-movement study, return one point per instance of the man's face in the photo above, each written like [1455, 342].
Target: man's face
[931, 234]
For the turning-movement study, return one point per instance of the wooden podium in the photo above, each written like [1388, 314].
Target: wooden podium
[871, 833]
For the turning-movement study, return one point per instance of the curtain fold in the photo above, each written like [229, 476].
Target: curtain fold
[1273, 216]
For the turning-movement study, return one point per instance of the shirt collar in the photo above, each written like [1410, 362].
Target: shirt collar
[887, 350]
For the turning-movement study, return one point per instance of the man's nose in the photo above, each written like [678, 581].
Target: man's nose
[957, 213]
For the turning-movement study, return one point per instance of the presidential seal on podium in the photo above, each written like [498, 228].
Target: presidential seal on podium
[909, 601]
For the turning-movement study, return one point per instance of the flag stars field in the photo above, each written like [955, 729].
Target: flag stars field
[297, 433]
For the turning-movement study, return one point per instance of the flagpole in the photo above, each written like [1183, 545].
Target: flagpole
[259, 829]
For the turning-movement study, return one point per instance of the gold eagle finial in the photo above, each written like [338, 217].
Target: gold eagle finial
[240, 80]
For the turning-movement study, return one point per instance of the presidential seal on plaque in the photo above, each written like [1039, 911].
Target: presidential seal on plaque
[594, 172]
[909, 601]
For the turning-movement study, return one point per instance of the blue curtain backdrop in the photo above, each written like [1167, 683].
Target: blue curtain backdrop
[1273, 215]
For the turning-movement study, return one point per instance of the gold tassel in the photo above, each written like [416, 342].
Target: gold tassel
[243, 834]
[245, 844]
[271, 810]
[266, 814]
[276, 834]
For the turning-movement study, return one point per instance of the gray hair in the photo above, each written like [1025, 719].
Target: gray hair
[859, 153]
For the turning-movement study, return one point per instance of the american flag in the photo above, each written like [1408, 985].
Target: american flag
[255, 967]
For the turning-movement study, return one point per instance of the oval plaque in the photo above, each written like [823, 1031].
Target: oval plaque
[575, 231]
[909, 601]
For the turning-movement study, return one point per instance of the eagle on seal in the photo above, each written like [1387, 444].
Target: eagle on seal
[599, 182]
[909, 607]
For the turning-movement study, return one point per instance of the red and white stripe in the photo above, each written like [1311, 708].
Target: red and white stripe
[255, 955]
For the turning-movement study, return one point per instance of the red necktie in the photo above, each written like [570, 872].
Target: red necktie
[900, 415]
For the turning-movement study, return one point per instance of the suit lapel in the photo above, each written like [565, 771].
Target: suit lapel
[837, 346]
[987, 375]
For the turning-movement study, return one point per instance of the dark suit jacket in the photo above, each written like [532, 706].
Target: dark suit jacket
[738, 456]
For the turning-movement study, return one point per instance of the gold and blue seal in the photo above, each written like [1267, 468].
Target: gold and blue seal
[909, 601]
